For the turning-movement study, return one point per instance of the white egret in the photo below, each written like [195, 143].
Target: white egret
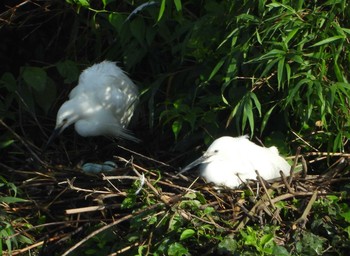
[102, 103]
[229, 161]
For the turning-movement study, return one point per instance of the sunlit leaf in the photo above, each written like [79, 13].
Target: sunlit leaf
[178, 5]
[176, 127]
[187, 233]
[161, 10]
[327, 41]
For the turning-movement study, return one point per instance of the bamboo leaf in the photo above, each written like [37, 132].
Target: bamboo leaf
[178, 5]
[248, 115]
[266, 119]
[280, 69]
[328, 40]
[161, 10]
[216, 68]
[256, 102]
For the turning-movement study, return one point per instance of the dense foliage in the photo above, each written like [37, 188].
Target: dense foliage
[273, 69]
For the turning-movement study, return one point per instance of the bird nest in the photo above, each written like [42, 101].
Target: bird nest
[139, 206]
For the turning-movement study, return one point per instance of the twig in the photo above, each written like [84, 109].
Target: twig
[264, 187]
[90, 208]
[25, 144]
[32, 246]
[96, 232]
[297, 154]
[146, 157]
[303, 219]
[304, 167]
[71, 186]
[286, 183]
[300, 138]
[160, 196]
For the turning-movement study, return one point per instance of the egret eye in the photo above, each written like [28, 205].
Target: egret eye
[216, 151]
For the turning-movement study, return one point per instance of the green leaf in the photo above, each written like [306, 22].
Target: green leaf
[256, 102]
[288, 71]
[137, 28]
[161, 10]
[258, 38]
[4, 144]
[338, 72]
[275, 53]
[209, 210]
[266, 119]
[178, 5]
[233, 113]
[25, 240]
[84, 3]
[9, 81]
[233, 32]
[177, 249]
[10, 199]
[35, 77]
[68, 70]
[46, 97]
[281, 251]
[187, 234]
[117, 20]
[248, 114]
[228, 246]
[290, 35]
[346, 30]
[346, 216]
[216, 68]
[280, 72]
[328, 40]
[176, 128]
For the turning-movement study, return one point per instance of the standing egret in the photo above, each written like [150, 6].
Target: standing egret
[102, 103]
[229, 161]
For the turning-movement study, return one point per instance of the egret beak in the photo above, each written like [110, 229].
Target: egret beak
[194, 163]
[53, 136]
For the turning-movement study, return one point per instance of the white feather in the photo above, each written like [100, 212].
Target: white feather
[229, 161]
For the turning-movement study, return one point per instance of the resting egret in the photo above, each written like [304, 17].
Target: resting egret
[229, 161]
[102, 103]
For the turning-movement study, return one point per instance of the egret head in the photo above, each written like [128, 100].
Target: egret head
[221, 148]
[66, 116]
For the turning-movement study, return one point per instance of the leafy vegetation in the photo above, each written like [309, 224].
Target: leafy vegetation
[273, 69]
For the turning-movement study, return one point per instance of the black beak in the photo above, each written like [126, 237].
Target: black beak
[193, 164]
[53, 136]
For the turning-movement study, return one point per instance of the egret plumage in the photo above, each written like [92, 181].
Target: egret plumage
[102, 103]
[229, 161]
